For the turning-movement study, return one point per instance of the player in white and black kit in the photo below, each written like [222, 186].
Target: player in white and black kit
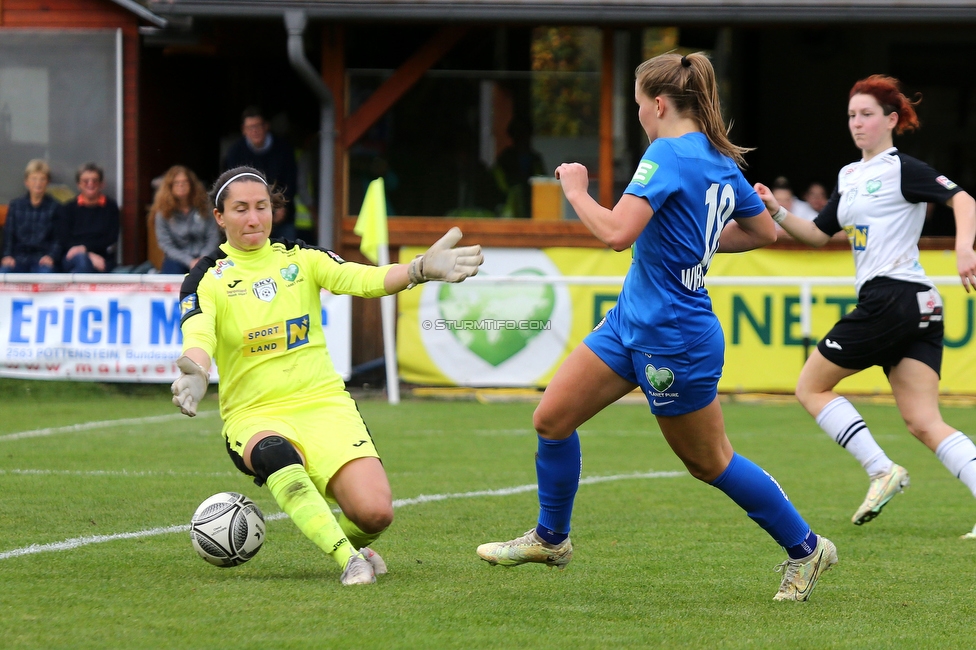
[880, 203]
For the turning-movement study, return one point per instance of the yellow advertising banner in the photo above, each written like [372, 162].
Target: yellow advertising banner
[516, 334]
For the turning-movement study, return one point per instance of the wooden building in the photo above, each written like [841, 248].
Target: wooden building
[422, 92]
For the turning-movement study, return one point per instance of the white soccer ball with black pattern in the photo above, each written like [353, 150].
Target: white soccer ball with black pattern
[227, 529]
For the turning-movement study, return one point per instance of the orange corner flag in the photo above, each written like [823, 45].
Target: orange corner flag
[371, 224]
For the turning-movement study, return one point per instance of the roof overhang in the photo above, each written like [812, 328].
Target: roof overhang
[142, 12]
[592, 12]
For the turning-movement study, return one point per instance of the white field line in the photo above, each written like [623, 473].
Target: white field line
[96, 472]
[88, 426]
[77, 542]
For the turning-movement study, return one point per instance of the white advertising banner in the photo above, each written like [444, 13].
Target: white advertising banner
[115, 328]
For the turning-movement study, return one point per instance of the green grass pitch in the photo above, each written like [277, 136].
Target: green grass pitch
[661, 560]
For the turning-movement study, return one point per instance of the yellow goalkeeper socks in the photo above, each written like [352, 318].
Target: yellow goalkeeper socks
[356, 536]
[295, 493]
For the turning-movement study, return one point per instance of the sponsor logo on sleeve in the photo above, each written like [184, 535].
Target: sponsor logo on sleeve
[218, 268]
[188, 305]
[946, 183]
[335, 257]
[645, 170]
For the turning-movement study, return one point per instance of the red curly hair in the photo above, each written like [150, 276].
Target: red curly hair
[887, 91]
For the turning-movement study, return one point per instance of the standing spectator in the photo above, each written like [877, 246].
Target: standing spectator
[273, 156]
[816, 196]
[880, 201]
[29, 243]
[88, 226]
[515, 165]
[185, 230]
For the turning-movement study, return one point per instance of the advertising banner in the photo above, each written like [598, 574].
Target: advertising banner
[484, 333]
[115, 331]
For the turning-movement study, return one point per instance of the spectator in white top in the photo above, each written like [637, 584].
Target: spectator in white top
[785, 197]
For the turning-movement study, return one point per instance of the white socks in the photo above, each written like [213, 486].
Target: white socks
[841, 421]
[958, 454]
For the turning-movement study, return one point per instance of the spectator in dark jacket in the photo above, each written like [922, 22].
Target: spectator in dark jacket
[88, 226]
[29, 242]
[272, 155]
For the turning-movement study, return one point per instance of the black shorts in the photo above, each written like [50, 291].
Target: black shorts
[893, 320]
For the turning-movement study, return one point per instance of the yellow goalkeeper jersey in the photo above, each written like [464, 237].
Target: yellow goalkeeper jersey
[259, 316]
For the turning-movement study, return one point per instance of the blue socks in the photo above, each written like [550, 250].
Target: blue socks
[558, 465]
[764, 501]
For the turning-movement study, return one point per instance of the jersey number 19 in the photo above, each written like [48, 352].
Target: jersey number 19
[719, 210]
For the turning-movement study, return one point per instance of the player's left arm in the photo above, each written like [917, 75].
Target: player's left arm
[921, 183]
[617, 228]
[964, 210]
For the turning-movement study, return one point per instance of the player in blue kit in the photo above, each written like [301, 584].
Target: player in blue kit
[687, 201]
[880, 202]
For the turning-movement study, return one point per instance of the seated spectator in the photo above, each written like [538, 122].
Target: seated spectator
[784, 195]
[816, 196]
[29, 242]
[88, 226]
[185, 229]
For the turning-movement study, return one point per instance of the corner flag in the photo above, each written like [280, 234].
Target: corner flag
[371, 224]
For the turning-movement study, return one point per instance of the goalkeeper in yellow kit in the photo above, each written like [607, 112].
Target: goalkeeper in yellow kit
[253, 307]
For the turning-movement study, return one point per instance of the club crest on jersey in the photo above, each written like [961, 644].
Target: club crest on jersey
[946, 183]
[265, 289]
[645, 169]
[218, 269]
[290, 272]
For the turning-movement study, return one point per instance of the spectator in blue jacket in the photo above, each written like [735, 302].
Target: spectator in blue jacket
[29, 242]
[88, 226]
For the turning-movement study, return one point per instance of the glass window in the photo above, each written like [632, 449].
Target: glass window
[58, 103]
[504, 106]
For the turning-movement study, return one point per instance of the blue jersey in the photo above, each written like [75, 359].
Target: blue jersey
[694, 191]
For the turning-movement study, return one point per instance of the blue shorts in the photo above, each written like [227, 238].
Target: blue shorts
[673, 383]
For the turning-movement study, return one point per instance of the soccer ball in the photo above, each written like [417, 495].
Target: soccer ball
[227, 529]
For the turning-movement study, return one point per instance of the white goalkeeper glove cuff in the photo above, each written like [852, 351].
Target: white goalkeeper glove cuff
[190, 387]
[444, 262]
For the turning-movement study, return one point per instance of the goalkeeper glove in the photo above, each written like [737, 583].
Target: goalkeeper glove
[191, 385]
[444, 262]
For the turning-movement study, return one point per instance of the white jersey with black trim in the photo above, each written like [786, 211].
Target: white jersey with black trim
[880, 204]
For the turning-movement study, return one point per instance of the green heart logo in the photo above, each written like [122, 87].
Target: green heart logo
[290, 273]
[872, 186]
[496, 322]
[660, 380]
